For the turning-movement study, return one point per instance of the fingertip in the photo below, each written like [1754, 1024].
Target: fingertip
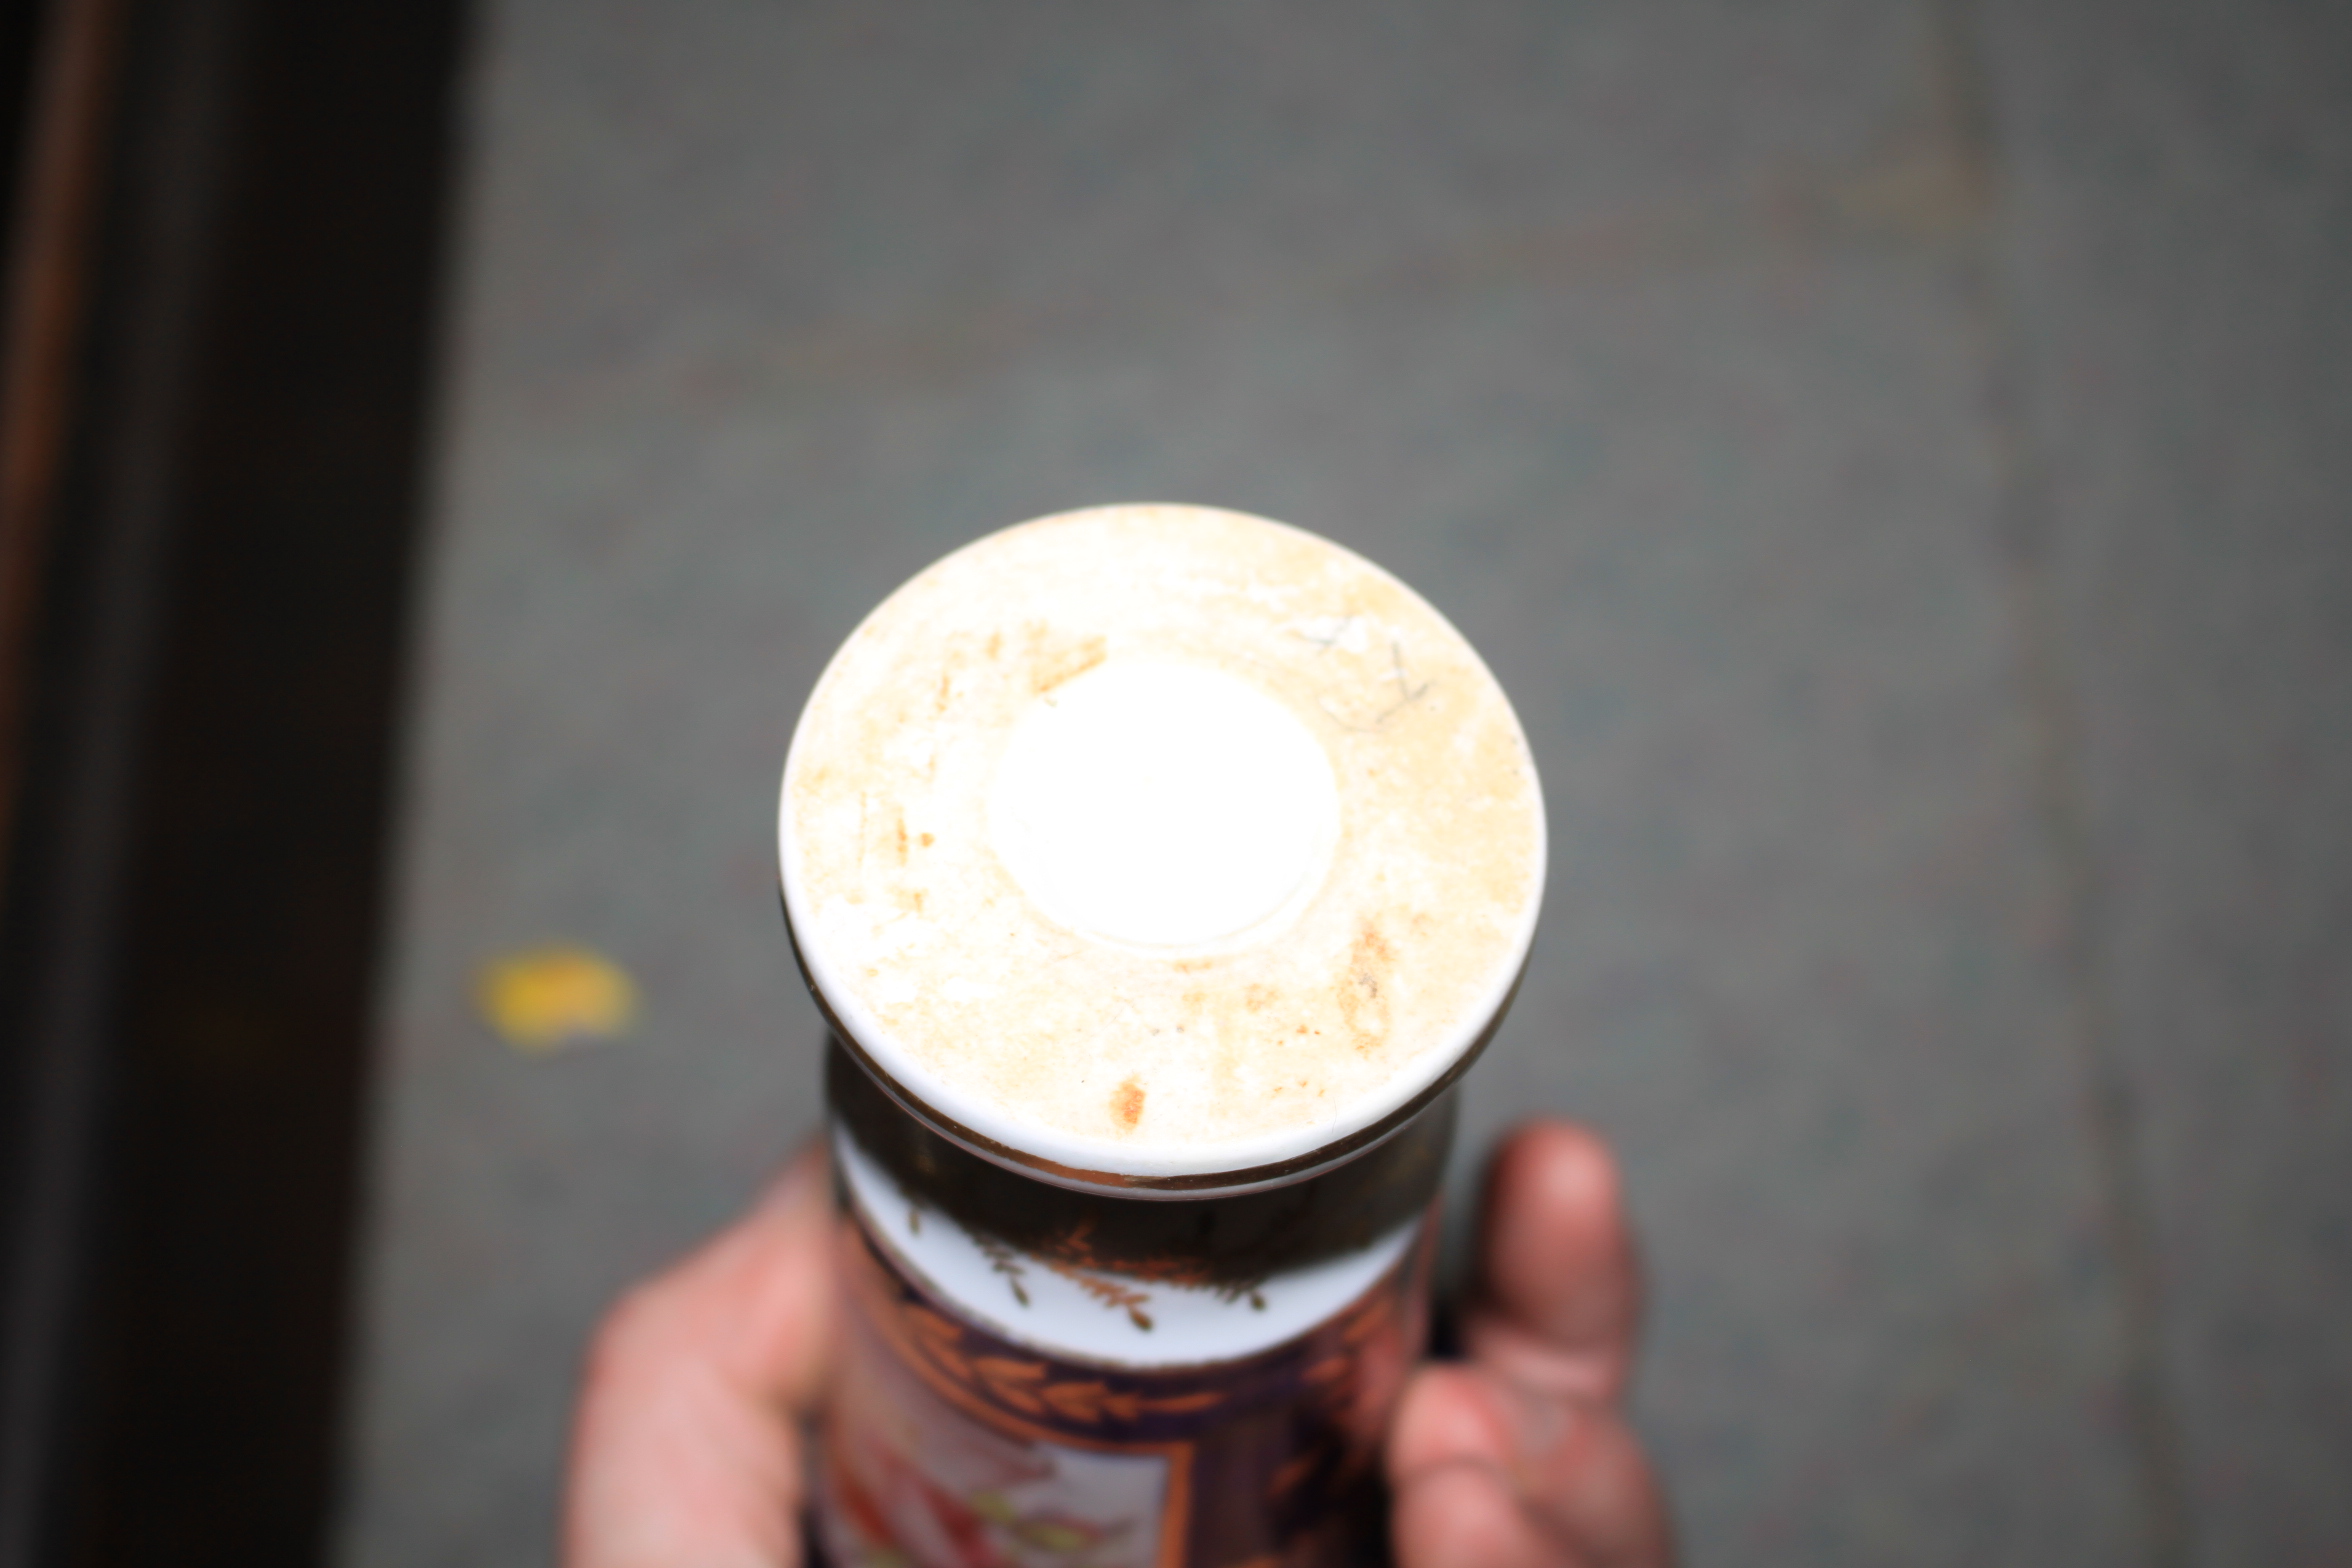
[1555, 1171]
[756, 1304]
[804, 1186]
[1559, 1288]
[790, 1322]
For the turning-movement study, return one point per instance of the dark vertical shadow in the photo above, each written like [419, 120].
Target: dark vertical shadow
[2150, 1405]
[191, 914]
[22, 30]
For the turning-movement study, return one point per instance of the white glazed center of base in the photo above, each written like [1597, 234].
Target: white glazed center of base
[1163, 805]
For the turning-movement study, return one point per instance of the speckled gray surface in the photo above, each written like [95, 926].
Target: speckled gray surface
[2181, 245]
[1892, 456]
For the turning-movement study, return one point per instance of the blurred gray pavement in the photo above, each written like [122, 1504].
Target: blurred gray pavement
[1897, 456]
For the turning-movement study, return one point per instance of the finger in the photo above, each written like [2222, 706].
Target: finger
[1467, 1516]
[1454, 1501]
[684, 1452]
[1558, 1294]
[1574, 1475]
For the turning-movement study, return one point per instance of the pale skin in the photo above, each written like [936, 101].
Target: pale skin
[689, 1447]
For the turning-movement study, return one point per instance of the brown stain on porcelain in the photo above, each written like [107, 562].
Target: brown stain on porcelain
[1127, 1105]
[1363, 989]
[1051, 665]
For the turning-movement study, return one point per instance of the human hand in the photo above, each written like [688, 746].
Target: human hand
[1518, 1457]
[688, 1451]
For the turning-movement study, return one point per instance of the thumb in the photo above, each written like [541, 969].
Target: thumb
[685, 1449]
[1557, 1300]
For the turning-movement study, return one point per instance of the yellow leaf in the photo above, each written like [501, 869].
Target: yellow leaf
[546, 997]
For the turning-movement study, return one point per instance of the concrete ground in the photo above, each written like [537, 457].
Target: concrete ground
[1896, 455]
